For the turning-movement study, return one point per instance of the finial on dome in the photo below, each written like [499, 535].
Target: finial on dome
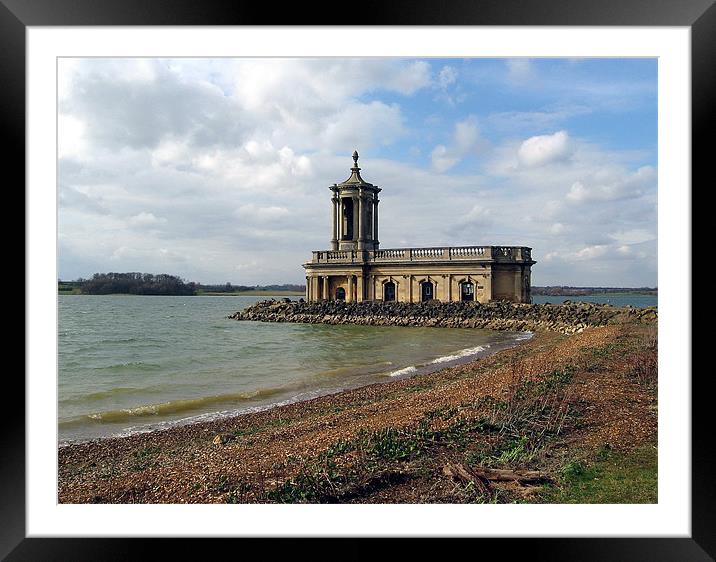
[355, 158]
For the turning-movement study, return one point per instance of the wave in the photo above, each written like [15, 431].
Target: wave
[168, 408]
[460, 354]
[524, 336]
[131, 365]
[467, 352]
[209, 416]
[403, 371]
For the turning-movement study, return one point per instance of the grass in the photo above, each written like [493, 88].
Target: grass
[491, 433]
[612, 478]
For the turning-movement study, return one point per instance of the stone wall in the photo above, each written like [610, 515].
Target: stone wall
[566, 318]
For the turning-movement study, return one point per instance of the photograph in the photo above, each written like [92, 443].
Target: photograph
[372, 280]
[425, 274]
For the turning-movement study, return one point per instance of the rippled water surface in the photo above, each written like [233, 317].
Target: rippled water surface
[131, 363]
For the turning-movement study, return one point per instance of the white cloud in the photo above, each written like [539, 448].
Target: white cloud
[447, 77]
[520, 70]
[557, 228]
[71, 140]
[545, 149]
[257, 213]
[591, 252]
[466, 138]
[411, 78]
[144, 219]
[611, 185]
[633, 236]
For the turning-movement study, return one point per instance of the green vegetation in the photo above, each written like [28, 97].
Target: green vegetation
[129, 284]
[69, 287]
[513, 431]
[163, 284]
[611, 478]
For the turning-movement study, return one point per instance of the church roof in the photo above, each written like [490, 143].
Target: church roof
[355, 180]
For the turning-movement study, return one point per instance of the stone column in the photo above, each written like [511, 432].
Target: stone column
[340, 221]
[355, 219]
[315, 295]
[349, 292]
[359, 288]
[308, 289]
[361, 222]
[334, 239]
[375, 223]
[488, 286]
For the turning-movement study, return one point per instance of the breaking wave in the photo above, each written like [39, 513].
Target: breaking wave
[169, 408]
[404, 371]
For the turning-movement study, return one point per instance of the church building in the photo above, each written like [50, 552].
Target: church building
[356, 269]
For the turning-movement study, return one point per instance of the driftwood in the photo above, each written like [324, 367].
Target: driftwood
[483, 476]
[521, 476]
[462, 474]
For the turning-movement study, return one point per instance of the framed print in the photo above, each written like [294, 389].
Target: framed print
[188, 144]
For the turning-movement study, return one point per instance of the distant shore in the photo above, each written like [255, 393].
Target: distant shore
[433, 437]
[206, 294]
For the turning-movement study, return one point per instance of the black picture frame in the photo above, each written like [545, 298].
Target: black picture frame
[698, 15]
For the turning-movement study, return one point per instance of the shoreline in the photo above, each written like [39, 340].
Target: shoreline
[396, 441]
[566, 318]
[434, 366]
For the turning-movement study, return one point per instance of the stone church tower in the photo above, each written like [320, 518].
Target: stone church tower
[356, 269]
[355, 212]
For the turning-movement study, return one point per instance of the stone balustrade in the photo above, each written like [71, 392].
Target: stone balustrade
[449, 253]
[389, 255]
[334, 256]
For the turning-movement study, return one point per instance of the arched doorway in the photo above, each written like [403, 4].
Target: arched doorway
[340, 294]
[389, 291]
[427, 292]
[467, 291]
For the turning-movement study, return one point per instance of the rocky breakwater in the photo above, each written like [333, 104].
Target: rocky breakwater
[566, 318]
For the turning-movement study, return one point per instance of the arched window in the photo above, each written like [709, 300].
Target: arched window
[427, 291]
[340, 294]
[467, 291]
[389, 291]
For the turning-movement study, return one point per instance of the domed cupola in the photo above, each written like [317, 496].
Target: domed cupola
[355, 212]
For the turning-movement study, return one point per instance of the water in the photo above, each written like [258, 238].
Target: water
[615, 299]
[134, 363]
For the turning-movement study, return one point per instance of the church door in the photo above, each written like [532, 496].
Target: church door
[389, 291]
[426, 291]
[340, 294]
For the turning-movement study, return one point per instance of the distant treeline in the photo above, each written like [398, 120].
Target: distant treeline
[229, 288]
[131, 284]
[156, 284]
[563, 291]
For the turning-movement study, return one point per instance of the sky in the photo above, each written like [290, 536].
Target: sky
[217, 170]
